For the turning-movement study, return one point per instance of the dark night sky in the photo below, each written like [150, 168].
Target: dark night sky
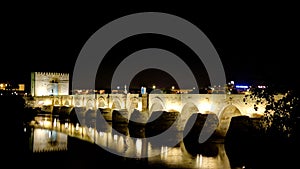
[253, 42]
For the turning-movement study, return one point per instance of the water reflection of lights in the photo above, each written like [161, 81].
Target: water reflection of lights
[199, 160]
[77, 127]
[115, 137]
[54, 123]
[164, 152]
[66, 125]
[149, 147]
[120, 145]
[49, 140]
[138, 145]
[171, 155]
[43, 121]
[101, 134]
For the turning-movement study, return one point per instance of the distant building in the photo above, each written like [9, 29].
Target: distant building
[49, 83]
[12, 89]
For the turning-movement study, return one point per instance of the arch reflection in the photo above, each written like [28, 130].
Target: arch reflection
[188, 153]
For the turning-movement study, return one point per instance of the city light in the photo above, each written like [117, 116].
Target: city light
[153, 87]
[242, 86]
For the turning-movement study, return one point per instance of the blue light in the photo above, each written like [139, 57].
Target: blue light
[242, 86]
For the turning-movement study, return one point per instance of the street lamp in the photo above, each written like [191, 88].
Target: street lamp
[153, 87]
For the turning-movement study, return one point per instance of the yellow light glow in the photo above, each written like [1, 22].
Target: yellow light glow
[54, 123]
[199, 160]
[46, 124]
[149, 148]
[173, 107]
[101, 134]
[2, 86]
[140, 106]
[205, 106]
[164, 152]
[21, 87]
[48, 102]
[66, 125]
[171, 155]
[138, 146]
[77, 127]
[120, 144]
[43, 137]
[115, 137]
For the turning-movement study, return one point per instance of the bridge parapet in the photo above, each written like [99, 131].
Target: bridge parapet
[90, 101]
[204, 103]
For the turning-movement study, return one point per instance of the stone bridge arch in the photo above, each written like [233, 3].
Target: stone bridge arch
[102, 103]
[225, 118]
[78, 101]
[132, 104]
[90, 104]
[116, 104]
[157, 104]
[67, 103]
[187, 110]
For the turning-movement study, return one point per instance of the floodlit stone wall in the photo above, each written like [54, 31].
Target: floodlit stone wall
[49, 83]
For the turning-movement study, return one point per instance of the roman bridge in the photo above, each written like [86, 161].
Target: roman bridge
[224, 106]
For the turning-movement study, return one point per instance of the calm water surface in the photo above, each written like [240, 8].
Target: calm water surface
[68, 145]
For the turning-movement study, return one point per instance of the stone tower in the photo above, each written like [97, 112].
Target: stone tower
[49, 83]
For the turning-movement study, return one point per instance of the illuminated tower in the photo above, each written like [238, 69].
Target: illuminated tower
[49, 83]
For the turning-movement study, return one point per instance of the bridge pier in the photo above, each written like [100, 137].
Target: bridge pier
[160, 121]
[200, 127]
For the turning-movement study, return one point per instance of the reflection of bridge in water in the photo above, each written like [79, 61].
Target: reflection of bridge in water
[181, 106]
[209, 155]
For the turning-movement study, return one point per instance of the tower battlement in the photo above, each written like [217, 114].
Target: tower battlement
[52, 74]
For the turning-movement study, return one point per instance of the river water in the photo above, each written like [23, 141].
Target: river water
[68, 145]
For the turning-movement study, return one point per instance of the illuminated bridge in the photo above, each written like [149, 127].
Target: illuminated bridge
[224, 106]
